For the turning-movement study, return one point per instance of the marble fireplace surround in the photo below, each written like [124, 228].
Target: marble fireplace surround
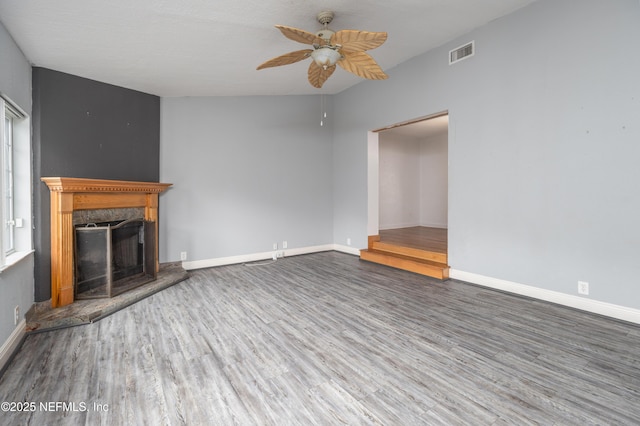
[73, 195]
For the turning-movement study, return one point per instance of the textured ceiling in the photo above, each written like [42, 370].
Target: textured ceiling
[212, 48]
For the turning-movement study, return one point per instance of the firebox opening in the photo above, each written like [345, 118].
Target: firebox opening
[113, 257]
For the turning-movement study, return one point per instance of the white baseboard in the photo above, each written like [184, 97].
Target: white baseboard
[254, 257]
[577, 302]
[397, 226]
[346, 249]
[12, 343]
[411, 225]
[435, 225]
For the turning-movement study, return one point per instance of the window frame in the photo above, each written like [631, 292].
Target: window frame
[8, 188]
[15, 186]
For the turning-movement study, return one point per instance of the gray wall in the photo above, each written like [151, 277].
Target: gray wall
[399, 181]
[434, 185]
[412, 180]
[16, 283]
[543, 146]
[84, 128]
[247, 172]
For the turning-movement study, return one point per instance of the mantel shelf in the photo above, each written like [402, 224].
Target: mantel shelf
[66, 184]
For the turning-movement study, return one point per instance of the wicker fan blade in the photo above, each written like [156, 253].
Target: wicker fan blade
[301, 36]
[362, 65]
[318, 75]
[358, 41]
[287, 58]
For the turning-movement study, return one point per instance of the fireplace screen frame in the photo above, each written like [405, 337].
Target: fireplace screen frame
[101, 274]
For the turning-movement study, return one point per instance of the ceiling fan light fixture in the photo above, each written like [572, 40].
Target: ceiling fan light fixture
[325, 56]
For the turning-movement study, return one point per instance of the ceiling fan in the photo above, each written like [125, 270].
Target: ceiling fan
[345, 48]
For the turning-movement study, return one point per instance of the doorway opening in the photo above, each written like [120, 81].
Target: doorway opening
[408, 191]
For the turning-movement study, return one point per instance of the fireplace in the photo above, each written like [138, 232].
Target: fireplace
[113, 257]
[76, 201]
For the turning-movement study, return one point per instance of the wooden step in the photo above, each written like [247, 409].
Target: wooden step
[407, 263]
[432, 256]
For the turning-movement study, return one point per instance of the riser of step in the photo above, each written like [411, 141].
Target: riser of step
[410, 252]
[419, 266]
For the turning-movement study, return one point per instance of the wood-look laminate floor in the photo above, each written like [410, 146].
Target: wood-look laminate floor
[328, 339]
[418, 237]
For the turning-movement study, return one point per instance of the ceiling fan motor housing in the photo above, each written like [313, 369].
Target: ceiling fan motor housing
[325, 34]
[325, 19]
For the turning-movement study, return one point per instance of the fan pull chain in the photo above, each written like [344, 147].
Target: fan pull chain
[323, 112]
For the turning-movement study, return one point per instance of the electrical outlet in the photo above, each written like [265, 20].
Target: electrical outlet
[275, 246]
[16, 315]
[348, 241]
[284, 244]
[583, 288]
[183, 255]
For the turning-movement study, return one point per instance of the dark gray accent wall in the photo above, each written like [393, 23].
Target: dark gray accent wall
[84, 128]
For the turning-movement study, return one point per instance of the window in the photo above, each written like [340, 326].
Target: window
[15, 182]
[7, 183]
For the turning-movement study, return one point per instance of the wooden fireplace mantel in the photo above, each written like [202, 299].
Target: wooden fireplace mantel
[71, 194]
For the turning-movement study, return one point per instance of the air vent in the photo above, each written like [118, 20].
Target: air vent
[462, 52]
